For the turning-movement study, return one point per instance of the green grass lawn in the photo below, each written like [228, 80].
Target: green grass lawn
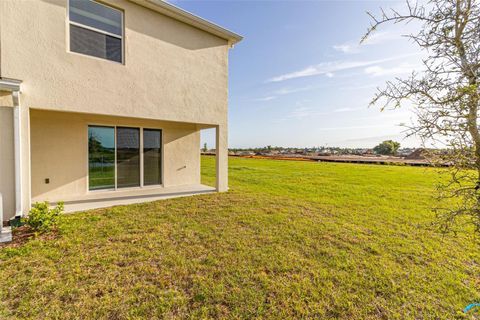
[290, 240]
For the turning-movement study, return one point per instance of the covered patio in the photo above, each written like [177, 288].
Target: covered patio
[93, 161]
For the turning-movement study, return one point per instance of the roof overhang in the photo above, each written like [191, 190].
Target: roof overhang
[189, 18]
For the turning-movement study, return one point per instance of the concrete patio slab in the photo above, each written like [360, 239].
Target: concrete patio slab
[104, 199]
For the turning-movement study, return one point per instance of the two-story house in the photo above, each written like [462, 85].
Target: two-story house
[102, 102]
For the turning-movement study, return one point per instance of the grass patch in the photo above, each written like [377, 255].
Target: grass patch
[290, 240]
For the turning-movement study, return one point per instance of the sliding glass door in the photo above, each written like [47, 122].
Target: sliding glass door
[115, 157]
[128, 157]
[101, 157]
[152, 157]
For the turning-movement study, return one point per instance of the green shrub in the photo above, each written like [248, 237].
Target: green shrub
[43, 219]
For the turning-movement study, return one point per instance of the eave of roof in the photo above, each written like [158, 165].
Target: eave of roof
[191, 19]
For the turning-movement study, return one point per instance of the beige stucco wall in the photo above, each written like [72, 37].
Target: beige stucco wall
[59, 151]
[7, 165]
[172, 71]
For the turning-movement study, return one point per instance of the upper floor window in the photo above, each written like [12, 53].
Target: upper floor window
[96, 30]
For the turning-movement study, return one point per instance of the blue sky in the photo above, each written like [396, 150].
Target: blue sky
[300, 78]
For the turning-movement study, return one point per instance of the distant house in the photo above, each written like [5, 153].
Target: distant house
[105, 100]
[403, 152]
[273, 152]
[417, 154]
[246, 153]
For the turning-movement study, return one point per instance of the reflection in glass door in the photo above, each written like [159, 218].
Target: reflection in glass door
[101, 157]
[128, 157]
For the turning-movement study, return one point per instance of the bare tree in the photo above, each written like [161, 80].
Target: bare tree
[445, 97]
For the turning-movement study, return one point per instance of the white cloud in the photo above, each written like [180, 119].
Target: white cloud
[348, 109]
[301, 112]
[266, 98]
[356, 127]
[354, 46]
[322, 68]
[378, 71]
[330, 74]
[309, 71]
[284, 91]
[376, 138]
[360, 87]
[346, 47]
[381, 37]
[330, 67]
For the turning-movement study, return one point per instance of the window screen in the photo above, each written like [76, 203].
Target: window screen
[96, 30]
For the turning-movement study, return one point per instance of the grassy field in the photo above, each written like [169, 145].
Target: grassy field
[290, 240]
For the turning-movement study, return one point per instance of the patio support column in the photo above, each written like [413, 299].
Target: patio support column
[222, 158]
[17, 133]
[22, 158]
[21, 146]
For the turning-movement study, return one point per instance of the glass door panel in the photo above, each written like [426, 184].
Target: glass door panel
[128, 157]
[152, 157]
[101, 157]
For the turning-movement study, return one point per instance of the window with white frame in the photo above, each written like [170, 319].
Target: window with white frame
[96, 30]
